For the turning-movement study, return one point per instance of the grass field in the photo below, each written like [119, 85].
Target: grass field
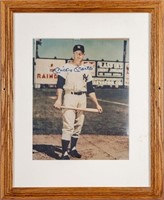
[113, 120]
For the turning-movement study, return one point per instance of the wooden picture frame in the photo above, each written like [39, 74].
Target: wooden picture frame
[8, 8]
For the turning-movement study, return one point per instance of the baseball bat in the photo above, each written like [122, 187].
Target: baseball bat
[81, 109]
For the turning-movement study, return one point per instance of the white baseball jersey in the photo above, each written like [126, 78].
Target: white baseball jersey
[76, 77]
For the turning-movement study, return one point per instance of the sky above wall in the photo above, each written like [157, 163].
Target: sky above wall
[95, 49]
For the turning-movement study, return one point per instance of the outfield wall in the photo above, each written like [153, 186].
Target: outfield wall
[104, 73]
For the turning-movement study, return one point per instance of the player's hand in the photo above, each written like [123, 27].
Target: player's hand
[57, 104]
[99, 108]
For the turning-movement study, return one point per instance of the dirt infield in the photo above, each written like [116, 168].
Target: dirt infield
[103, 137]
[92, 147]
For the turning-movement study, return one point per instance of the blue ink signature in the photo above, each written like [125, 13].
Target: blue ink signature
[59, 70]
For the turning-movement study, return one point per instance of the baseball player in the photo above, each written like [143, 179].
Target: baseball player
[75, 80]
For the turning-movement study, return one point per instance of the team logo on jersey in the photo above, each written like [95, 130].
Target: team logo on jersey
[85, 77]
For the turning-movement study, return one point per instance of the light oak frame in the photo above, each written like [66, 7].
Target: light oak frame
[8, 8]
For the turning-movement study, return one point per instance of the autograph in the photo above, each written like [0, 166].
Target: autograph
[58, 70]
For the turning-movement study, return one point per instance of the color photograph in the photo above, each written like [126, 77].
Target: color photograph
[80, 99]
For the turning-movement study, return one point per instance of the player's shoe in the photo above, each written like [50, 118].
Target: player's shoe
[75, 154]
[65, 157]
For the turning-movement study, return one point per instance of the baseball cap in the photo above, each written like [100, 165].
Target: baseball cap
[78, 47]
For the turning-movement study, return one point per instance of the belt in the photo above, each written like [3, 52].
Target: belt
[78, 93]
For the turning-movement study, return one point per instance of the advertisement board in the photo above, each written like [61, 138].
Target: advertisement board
[44, 71]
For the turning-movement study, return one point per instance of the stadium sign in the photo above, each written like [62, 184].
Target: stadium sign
[44, 71]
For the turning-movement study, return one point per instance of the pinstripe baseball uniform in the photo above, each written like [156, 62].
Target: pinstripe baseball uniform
[76, 80]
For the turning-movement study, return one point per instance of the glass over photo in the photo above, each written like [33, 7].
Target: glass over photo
[80, 99]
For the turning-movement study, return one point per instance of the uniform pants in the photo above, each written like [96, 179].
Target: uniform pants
[73, 120]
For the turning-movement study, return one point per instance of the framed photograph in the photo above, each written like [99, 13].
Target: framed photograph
[105, 136]
[81, 99]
